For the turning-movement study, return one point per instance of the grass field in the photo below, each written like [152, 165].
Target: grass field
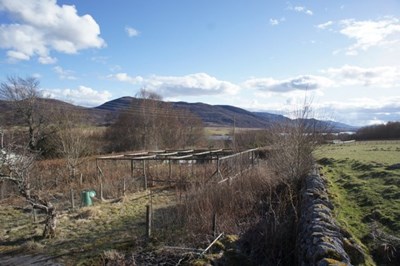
[83, 235]
[365, 188]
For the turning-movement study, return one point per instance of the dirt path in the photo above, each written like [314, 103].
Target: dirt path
[26, 260]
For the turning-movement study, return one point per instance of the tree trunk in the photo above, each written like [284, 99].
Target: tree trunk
[50, 223]
[44, 205]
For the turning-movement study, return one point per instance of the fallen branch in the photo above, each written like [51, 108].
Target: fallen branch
[212, 243]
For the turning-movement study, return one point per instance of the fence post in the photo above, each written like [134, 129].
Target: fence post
[124, 187]
[132, 168]
[72, 199]
[169, 172]
[144, 175]
[34, 214]
[2, 189]
[101, 190]
[148, 221]
[214, 224]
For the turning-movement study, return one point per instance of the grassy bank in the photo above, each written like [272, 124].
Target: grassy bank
[83, 234]
[365, 187]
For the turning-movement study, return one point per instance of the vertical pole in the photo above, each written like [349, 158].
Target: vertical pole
[72, 199]
[191, 170]
[34, 214]
[2, 190]
[101, 190]
[219, 168]
[124, 187]
[169, 171]
[98, 170]
[132, 168]
[81, 179]
[144, 175]
[2, 138]
[214, 224]
[148, 221]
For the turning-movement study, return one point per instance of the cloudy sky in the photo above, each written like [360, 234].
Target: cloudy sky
[258, 55]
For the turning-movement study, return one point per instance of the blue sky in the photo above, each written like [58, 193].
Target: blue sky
[258, 55]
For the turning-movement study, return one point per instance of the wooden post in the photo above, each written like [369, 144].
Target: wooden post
[148, 221]
[169, 172]
[72, 199]
[2, 189]
[214, 224]
[81, 179]
[2, 139]
[132, 168]
[144, 175]
[101, 190]
[124, 187]
[218, 169]
[34, 215]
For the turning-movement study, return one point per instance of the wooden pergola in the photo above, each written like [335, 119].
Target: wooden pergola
[190, 156]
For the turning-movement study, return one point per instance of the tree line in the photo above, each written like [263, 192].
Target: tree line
[390, 130]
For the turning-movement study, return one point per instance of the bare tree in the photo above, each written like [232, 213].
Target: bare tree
[24, 93]
[150, 123]
[293, 142]
[165, 126]
[150, 112]
[70, 140]
[15, 166]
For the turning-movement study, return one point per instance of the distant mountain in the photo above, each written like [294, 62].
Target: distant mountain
[211, 115]
[329, 126]
[223, 115]
[117, 105]
[272, 118]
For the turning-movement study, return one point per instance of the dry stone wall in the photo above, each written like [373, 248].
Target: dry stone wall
[320, 241]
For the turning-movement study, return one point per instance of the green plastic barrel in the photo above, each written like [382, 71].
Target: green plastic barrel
[86, 197]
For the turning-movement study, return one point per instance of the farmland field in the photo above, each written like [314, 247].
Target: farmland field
[364, 182]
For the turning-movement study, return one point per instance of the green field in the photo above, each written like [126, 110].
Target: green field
[365, 188]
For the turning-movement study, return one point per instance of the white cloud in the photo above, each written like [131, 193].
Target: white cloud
[190, 85]
[383, 76]
[302, 9]
[41, 26]
[364, 111]
[131, 31]
[303, 83]
[325, 25]
[124, 77]
[83, 96]
[369, 33]
[273, 22]
[193, 85]
[64, 74]
[366, 33]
